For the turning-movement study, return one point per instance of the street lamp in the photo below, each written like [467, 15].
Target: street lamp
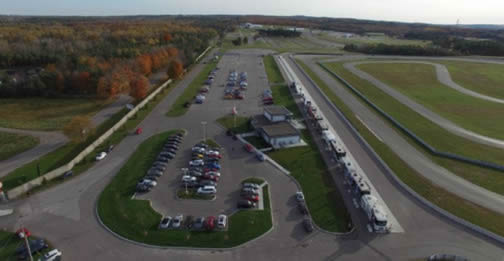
[203, 124]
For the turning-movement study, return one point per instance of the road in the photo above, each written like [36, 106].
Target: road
[415, 159]
[65, 214]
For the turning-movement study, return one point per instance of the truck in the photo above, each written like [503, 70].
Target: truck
[375, 213]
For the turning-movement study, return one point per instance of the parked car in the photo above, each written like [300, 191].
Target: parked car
[253, 198]
[210, 223]
[246, 204]
[35, 246]
[187, 178]
[260, 156]
[213, 173]
[198, 150]
[199, 223]
[308, 225]
[159, 164]
[206, 182]
[189, 221]
[191, 184]
[67, 174]
[210, 177]
[207, 190]
[195, 173]
[180, 135]
[213, 165]
[162, 159]
[228, 96]
[222, 221]
[196, 163]
[53, 255]
[251, 185]
[169, 152]
[302, 208]
[142, 188]
[201, 145]
[148, 182]
[446, 257]
[158, 167]
[151, 177]
[153, 172]
[196, 168]
[101, 155]
[169, 155]
[204, 89]
[177, 221]
[248, 147]
[165, 222]
[170, 146]
[110, 148]
[300, 196]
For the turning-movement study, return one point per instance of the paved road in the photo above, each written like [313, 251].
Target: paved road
[65, 214]
[415, 159]
[425, 112]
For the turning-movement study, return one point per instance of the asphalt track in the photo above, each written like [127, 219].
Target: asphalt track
[415, 159]
[65, 214]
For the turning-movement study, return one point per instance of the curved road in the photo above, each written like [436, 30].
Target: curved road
[422, 110]
[415, 159]
[65, 213]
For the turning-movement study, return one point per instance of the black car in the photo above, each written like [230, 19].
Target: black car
[171, 144]
[201, 145]
[171, 149]
[308, 225]
[245, 204]
[198, 223]
[302, 208]
[174, 138]
[154, 172]
[163, 159]
[35, 247]
[206, 182]
[142, 188]
[151, 177]
[158, 167]
[180, 135]
[447, 257]
[188, 222]
[195, 173]
[159, 164]
[168, 154]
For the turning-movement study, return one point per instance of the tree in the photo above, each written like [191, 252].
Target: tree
[176, 69]
[139, 87]
[79, 128]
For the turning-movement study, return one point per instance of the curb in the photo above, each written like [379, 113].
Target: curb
[391, 173]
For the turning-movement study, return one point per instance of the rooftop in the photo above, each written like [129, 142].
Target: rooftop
[281, 129]
[277, 110]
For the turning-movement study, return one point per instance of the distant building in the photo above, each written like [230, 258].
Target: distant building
[274, 128]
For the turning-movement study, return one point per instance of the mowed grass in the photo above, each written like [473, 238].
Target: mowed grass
[419, 82]
[136, 220]
[190, 92]
[450, 202]
[45, 114]
[484, 78]
[272, 70]
[238, 125]
[12, 144]
[434, 135]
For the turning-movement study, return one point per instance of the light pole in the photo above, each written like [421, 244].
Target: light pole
[203, 124]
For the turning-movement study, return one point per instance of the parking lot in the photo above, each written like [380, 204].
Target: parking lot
[236, 163]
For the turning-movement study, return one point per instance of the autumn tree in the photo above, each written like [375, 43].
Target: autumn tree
[144, 64]
[139, 87]
[176, 69]
[79, 128]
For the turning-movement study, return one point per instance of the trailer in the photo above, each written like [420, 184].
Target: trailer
[376, 215]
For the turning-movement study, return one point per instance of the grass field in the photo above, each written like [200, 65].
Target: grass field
[12, 144]
[438, 137]
[178, 109]
[419, 82]
[483, 78]
[242, 123]
[45, 114]
[272, 70]
[9, 242]
[466, 210]
[369, 39]
[136, 220]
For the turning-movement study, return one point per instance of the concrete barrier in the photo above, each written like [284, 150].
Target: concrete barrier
[22, 189]
[391, 173]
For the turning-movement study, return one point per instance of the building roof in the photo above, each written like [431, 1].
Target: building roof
[258, 121]
[277, 110]
[282, 129]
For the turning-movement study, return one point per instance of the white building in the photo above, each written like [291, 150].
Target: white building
[277, 113]
[280, 135]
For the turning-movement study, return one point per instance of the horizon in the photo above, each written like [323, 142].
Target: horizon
[428, 11]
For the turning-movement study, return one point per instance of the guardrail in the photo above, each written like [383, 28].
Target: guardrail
[391, 174]
[412, 135]
[20, 190]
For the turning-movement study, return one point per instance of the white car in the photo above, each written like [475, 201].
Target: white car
[177, 221]
[213, 173]
[187, 178]
[299, 196]
[52, 255]
[196, 163]
[148, 182]
[222, 221]
[101, 156]
[212, 152]
[165, 222]
[198, 149]
[207, 190]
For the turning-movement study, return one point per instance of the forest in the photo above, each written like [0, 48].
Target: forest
[95, 56]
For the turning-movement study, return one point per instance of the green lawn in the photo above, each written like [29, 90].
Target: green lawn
[371, 39]
[254, 180]
[178, 109]
[281, 96]
[67, 152]
[191, 193]
[483, 78]
[434, 135]
[272, 70]
[212, 143]
[257, 142]
[419, 82]
[242, 123]
[9, 242]
[464, 209]
[43, 113]
[12, 144]
[136, 220]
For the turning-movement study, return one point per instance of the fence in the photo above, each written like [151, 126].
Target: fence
[412, 135]
[22, 189]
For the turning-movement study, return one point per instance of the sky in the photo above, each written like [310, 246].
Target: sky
[426, 11]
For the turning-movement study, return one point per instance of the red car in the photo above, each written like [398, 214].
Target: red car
[239, 96]
[214, 156]
[269, 102]
[253, 198]
[209, 169]
[249, 148]
[211, 177]
[210, 223]
[138, 131]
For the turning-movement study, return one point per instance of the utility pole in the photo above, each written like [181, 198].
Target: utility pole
[23, 235]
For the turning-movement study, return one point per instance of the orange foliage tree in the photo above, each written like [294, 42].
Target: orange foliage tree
[176, 69]
[139, 87]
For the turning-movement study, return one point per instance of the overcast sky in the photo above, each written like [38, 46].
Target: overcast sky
[429, 11]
